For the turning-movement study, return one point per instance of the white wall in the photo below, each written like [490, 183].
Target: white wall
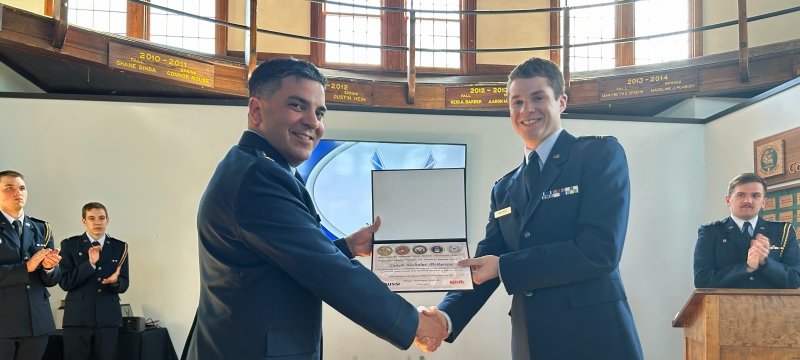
[149, 163]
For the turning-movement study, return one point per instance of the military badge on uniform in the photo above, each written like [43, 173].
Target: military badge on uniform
[569, 190]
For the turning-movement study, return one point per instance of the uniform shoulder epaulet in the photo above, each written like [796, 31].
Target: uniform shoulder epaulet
[505, 176]
[37, 220]
[109, 237]
[594, 137]
[715, 223]
[74, 237]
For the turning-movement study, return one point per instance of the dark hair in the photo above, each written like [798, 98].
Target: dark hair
[540, 67]
[11, 173]
[267, 77]
[746, 178]
[90, 206]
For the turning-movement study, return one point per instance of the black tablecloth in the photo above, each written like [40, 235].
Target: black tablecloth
[151, 344]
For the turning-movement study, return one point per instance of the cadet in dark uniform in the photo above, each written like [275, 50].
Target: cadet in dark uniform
[555, 235]
[744, 250]
[28, 265]
[95, 271]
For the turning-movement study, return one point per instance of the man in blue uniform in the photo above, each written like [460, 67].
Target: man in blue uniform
[28, 265]
[95, 272]
[265, 265]
[744, 250]
[555, 234]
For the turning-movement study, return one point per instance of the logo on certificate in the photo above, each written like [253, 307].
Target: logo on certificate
[402, 250]
[419, 250]
[385, 251]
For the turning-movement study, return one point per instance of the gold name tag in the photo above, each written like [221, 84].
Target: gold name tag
[502, 212]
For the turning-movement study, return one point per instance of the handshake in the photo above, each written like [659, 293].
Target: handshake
[432, 329]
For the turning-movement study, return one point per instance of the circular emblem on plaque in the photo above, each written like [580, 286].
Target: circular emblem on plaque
[436, 249]
[419, 249]
[454, 248]
[768, 160]
[385, 250]
[402, 250]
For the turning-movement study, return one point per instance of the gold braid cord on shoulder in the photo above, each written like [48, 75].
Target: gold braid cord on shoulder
[48, 233]
[123, 257]
[785, 237]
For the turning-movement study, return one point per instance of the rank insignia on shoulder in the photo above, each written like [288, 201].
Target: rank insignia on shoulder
[265, 156]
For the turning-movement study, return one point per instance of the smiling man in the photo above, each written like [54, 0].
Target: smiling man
[554, 238]
[95, 267]
[744, 250]
[265, 264]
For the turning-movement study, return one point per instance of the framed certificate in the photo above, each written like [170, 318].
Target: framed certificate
[423, 231]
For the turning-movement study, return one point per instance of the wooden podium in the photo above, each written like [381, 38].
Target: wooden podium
[741, 324]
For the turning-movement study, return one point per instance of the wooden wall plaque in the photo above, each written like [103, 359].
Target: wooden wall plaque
[787, 209]
[777, 158]
[476, 97]
[348, 92]
[652, 84]
[148, 62]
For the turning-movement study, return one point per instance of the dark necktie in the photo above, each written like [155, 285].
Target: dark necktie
[18, 228]
[95, 243]
[531, 172]
[746, 230]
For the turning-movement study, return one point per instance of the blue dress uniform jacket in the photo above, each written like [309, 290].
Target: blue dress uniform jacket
[720, 257]
[24, 299]
[559, 256]
[265, 267]
[90, 303]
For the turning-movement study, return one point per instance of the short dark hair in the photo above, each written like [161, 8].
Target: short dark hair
[267, 77]
[540, 67]
[11, 173]
[745, 178]
[90, 206]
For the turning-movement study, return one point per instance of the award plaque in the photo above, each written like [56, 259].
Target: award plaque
[423, 231]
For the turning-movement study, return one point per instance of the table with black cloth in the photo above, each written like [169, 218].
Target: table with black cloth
[150, 344]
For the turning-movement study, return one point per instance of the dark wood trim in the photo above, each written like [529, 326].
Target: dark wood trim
[695, 20]
[221, 31]
[264, 56]
[744, 65]
[625, 53]
[61, 18]
[138, 21]
[493, 69]
[391, 22]
[468, 37]
[317, 31]
[411, 73]
[555, 31]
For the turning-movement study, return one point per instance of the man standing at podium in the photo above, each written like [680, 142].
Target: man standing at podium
[95, 273]
[744, 250]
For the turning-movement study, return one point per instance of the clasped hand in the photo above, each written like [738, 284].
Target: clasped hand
[432, 329]
[46, 257]
[758, 253]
